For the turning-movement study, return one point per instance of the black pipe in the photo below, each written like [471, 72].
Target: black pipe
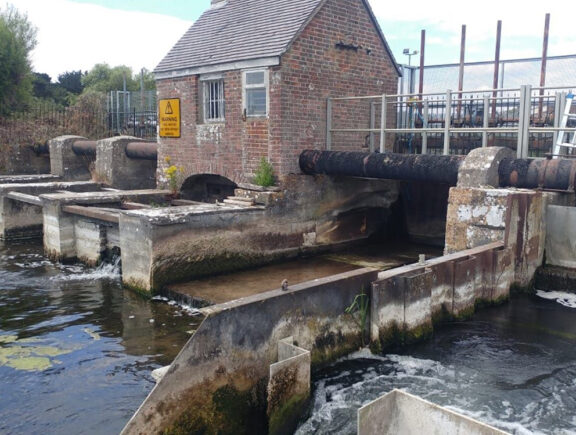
[84, 147]
[142, 150]
[410, 167]
[553, 174]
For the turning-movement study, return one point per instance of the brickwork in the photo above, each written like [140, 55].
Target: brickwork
[339, 53]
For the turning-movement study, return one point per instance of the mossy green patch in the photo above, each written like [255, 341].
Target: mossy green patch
[284, 420]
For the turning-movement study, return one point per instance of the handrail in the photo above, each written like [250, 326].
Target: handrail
[521, 112]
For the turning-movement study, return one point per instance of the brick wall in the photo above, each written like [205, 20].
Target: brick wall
[315, 68]
[312, 70]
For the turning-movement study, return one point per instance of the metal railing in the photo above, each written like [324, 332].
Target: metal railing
[526, 119]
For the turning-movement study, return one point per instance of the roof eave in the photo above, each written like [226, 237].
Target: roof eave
[262, 62]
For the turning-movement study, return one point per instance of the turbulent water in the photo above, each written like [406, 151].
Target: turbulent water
[513, 367]
[76, 350]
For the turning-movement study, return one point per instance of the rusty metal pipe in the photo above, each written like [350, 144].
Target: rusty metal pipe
[84, 147]
[142, 150]
[410, 167]
[557, 174]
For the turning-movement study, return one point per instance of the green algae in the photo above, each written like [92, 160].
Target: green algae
[25, 355]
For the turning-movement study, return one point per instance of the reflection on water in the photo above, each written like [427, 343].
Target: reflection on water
[512, 366]
[76, 350]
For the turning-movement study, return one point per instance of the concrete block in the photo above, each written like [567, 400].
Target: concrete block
[65, 163]
[288, 387]
[398, 412]
[90, 241]
[115, 169]
[480, 167]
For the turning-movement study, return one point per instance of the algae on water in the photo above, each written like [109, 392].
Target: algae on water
[29, 354]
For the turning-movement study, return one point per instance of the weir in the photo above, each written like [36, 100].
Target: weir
[494, 230]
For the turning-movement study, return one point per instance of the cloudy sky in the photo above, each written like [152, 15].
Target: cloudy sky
[77, 34]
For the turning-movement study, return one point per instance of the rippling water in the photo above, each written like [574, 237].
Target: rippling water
[512, 366]
[76, 350]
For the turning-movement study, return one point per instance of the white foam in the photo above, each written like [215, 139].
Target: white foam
[563, 298]
[110, 271]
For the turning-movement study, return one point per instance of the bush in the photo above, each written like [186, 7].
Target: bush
[264, 174]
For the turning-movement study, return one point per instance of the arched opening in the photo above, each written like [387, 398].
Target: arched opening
[207, 188]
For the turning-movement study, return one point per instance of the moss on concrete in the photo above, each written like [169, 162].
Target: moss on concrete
[284, 419]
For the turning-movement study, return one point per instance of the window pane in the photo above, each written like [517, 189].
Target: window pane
[255, 78]
[256, 101]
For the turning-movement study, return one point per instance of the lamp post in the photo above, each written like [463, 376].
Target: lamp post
[410, 54]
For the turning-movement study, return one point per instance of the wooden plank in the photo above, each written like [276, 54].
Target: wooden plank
[92, 212]
[24, 197]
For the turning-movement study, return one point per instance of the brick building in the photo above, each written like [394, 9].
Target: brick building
[253, 78]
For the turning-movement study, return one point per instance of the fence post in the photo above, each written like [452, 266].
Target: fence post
[425, 125]
[524, 121]
[447, 121]
[329, 124]
[383, 125]
[485, 123]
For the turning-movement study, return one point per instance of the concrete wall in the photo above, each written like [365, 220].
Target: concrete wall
[310, 213]
[401, 413]
[23, 159]
[407, 301]
[218, 381]
[22, 220]
[561, 236]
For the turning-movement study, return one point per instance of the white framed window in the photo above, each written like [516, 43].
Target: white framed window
[213, 101]
[255, 92]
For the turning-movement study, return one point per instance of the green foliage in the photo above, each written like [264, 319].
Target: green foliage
[103, 78]
[17, 39]
[71, 81]
[264, 175]
[359, 312]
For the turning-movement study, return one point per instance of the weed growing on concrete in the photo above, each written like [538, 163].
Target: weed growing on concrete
[264, 175]
[359, 312]
[174, 175]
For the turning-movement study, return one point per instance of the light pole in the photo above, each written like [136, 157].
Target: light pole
[407, 53]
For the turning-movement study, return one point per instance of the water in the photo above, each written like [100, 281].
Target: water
[512, 366]
[76, 350]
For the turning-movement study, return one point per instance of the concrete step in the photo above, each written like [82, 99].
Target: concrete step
[238, 200]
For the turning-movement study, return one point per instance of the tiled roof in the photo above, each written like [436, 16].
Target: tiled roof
[237, 31]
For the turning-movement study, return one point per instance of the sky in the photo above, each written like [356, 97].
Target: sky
[77, 34]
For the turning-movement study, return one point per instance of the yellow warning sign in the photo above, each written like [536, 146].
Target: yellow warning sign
[169, 117]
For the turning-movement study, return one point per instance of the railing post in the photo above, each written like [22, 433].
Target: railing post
[329, 124]
[447, 121]
[485, 123]
[372, 124]
[524, 121]
[425, 125]
[383, 125]
[558, 111]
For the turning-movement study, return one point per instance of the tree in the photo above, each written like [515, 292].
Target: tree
[103, 78]
[72, 81]
[17, 39]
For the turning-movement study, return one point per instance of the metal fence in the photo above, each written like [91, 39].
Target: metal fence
[42, 123]
[525, 119]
